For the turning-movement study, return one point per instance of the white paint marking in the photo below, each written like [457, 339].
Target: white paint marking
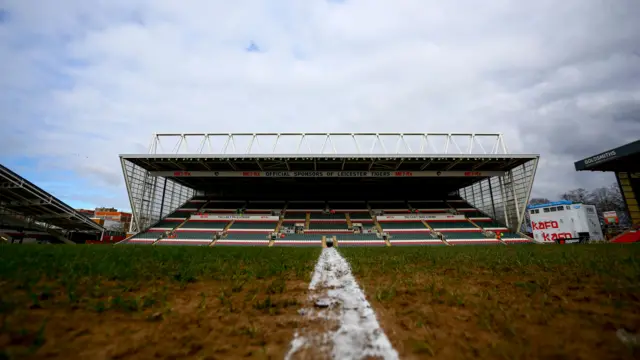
[358, 333]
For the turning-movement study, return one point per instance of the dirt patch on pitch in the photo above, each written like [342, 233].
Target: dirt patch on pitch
[489, 316]
[203, 320]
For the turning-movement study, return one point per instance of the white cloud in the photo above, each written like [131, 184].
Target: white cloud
[85, 81]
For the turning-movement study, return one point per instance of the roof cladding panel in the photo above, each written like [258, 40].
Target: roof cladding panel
[623, 158]
[19, 196]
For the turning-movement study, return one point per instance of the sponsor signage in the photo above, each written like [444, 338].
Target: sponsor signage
[610, 217]
[233, 217]
[421, 217]
[600, 157]
[554, 234]
[329, 174]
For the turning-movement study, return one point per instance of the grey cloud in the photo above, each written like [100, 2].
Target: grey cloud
[558, 78]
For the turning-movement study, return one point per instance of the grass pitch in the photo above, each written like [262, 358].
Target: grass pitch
[491, 302]
[497, 302]
[103, 302]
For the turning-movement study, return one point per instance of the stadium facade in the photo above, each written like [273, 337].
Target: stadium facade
[328, 167]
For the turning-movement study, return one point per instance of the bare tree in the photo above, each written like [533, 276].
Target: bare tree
[538, 201]
[580, 195]
[606, 198]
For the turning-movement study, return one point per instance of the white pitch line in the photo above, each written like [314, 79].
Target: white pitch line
[358, 333]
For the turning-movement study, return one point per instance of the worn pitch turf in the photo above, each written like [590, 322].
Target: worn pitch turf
[497, 302]
[486, 302]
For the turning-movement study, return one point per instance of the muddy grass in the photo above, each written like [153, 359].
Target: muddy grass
[100, 303]
[208, 320]
[498, 303]
[517, 302]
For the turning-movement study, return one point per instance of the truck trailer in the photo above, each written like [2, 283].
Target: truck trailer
[565, 222]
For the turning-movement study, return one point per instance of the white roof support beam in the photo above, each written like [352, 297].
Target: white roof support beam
[328, 143]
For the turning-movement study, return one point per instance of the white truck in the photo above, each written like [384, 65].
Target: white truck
[565, 222]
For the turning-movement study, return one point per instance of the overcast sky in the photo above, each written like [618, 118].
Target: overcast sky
[83, 81]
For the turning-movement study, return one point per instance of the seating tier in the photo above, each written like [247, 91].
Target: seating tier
[254, 225]
[212, 225]
[451, 225]
[403, 225]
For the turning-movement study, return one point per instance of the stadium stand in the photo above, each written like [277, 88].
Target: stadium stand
[345, 240]
[30, 214]
[352, 200]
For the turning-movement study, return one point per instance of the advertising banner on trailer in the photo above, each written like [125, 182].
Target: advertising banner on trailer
[564, 222]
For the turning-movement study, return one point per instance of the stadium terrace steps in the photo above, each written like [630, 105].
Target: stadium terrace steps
[403, 226]
[360, 217]
[345, 240]
[411, 242]
[449, 235]
[208, 235]
[485, 241]
[295, 216]
[226, 242]
[461, 226]
[299, 240]
[328, 226]
[412, 236]
[515, 238]
[193, 242]
[314, 216]
[474, 224]
[202, 225]
[253, 226]
[320, 225]
[246, 236]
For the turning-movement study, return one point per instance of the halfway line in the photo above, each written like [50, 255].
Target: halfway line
[346, 325]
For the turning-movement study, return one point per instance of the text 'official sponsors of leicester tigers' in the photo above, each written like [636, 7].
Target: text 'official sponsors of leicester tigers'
[327, 174]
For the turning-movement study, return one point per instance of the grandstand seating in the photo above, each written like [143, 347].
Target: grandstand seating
[253, 226]
[345, 240]
[360, 217]
[256, 231]
[295, 216]
[326, 225]
[188, 238]
[237, 239]
[327, 217]
[299, 240]
[200, 225]
[143, 238]
[414, 238]
[513, 238]
[401, 226]
[461, 226]
[430, 206]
